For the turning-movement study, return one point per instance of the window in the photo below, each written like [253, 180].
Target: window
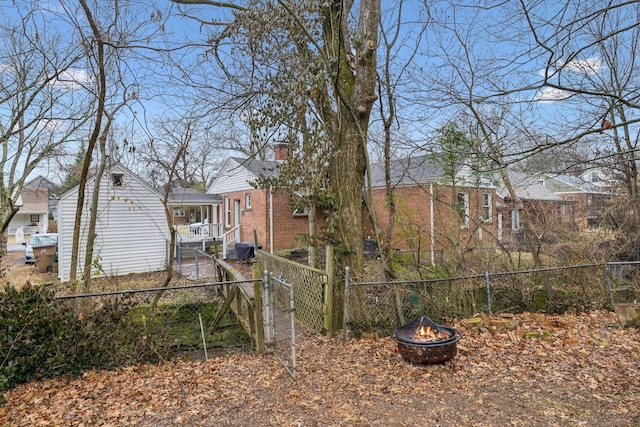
[227, 212]
[564, 211]
[178, 212]
[462, 206]
[301, 211]
[487, 211]
[117, 179]
[247, 201]
[515, 220]
[34, 218]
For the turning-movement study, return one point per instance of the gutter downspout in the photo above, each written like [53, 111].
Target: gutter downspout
[433, 231]
[271, 219]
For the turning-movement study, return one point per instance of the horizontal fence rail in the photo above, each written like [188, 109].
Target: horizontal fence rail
[382, 307]
[163, 323]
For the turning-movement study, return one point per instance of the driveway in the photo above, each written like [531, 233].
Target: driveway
[15, 247]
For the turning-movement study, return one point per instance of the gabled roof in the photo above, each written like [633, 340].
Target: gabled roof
[240, 174]
[42, 182]
[258, 168]
[407, 171]
[111, 168]
[561, 183]
[527, 187]
[424, 169]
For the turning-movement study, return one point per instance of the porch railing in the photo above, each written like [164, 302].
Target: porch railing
[198, 233]
[229, 238]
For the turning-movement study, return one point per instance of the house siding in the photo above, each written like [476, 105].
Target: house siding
[414, 228]
[35, 201]
[287, 227]
[232, 178]
[131, 228]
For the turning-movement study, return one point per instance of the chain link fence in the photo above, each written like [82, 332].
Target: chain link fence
[195, 263]
[280, 333]
[623, 282]
[163, 323]
[382, 307]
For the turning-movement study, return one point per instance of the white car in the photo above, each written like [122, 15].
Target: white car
[44, 239]
[200, 227]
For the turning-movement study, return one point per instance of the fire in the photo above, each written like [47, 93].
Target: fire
[427, 333]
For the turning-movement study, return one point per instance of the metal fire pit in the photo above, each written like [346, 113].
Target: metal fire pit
[416, 350]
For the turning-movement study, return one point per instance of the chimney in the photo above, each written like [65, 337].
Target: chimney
[281, 151]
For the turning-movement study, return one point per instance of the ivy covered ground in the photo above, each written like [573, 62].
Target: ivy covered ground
[528, 370]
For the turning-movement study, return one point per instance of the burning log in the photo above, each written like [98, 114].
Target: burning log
[422, 341]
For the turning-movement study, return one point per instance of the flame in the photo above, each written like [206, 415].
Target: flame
[427, 333]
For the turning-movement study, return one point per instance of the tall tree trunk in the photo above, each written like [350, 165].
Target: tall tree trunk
[95, 134]
[355, 89]
[95, 199]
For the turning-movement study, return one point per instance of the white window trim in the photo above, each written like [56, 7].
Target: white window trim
[301, 212]
[247, 201]
[488, 206]
[515, 220]
[227, 212]
[465, 200]
[117, 180]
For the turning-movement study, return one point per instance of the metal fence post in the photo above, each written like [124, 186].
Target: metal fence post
[345, 305]
[269, 324]
[607, 278]
[197, 252]
[292, 317]
[488, 284]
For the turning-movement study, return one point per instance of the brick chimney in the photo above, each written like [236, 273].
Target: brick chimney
[281, 151]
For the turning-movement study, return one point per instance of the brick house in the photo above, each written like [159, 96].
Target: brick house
[545, 209]
[436, 210]
[588, 199]
[272, 215]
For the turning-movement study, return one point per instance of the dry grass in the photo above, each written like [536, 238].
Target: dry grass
[16, 273]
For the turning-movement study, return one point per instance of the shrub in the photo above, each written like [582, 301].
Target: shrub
[44, 337]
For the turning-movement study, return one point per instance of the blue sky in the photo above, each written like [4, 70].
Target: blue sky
[500, 55]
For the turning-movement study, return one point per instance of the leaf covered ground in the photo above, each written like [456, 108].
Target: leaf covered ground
[585, 370]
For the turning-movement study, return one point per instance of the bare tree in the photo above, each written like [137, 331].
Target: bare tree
[342, 90]
[394, 39]
[39, 82]
[531, 77]
[185, 135]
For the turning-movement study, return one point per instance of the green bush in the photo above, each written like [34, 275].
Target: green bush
[44, 337]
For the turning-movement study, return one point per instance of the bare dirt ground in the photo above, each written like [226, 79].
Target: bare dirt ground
[15, 271]
[584, 371]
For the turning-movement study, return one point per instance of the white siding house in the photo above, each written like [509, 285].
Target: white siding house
[236, 175]
[131, 229]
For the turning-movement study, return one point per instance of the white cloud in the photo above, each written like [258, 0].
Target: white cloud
[71, 79]
[583, 66]
[589, 66]
[550, 94]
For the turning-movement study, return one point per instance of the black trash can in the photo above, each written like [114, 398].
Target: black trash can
[370, 247]
[244, 250]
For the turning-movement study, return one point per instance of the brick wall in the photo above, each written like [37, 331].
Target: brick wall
[412, 229]
[286, 226]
